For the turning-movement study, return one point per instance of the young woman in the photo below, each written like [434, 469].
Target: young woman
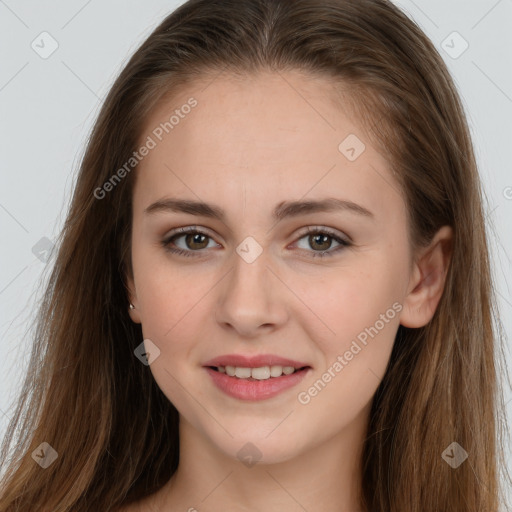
[272, 290]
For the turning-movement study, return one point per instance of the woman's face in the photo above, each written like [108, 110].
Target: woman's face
[250, 283]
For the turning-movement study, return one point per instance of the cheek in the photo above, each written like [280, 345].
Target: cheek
[360, 308]
[169, 293]
[177, 306]
[354, 359]
[348, 301]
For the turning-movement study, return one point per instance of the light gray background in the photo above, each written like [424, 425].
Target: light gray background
[48, 106]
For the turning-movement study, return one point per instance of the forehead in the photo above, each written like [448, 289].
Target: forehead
[278, 135]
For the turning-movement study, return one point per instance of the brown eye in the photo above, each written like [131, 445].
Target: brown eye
[193, 241]
[196, 241]
[320, 242]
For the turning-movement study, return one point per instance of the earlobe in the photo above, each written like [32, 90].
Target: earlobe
[428, 280]
[132, 298]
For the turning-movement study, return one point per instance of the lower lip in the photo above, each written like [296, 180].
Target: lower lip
[253, 390]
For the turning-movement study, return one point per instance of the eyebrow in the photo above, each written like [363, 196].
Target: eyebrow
[281, 211]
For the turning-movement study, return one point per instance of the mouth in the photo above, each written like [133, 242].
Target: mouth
[258, 373]
[254, 378]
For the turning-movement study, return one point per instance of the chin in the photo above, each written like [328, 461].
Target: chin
[252, 448]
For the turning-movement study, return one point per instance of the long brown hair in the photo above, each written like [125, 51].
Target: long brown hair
[99, 408]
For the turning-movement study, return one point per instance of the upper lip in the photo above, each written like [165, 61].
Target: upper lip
[257, 361]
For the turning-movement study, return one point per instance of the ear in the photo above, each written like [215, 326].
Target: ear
[427, 280]
[132, 297]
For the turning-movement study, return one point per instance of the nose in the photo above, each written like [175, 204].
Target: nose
[252, 299]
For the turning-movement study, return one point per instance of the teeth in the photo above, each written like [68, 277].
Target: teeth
[276, 371]
[261, 373]
[242, 373]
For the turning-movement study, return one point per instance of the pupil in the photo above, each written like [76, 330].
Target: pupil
[196, 238]
[322, 239]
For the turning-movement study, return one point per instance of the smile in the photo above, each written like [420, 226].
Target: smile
[254, 384]
[260, 373]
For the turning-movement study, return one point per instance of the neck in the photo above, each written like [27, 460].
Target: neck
[323, 477]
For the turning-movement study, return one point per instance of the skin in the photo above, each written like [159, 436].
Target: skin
[248, 145]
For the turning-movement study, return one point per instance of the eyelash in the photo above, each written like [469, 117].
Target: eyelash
[310, 230]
